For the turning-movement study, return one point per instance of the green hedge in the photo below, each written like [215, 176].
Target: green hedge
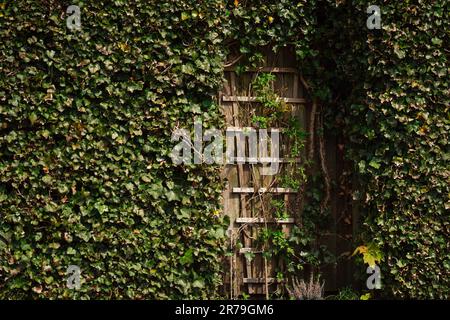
[85, 176]
[401, 134]
[258, 23]
[86, 119]
[387, 91]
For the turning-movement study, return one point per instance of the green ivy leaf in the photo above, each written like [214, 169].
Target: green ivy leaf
[187, 258]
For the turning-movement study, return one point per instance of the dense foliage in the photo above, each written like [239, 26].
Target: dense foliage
[401, 135]
[387, 90]
[258, 23]
[86, 119]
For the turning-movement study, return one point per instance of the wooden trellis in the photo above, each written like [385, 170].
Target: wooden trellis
[247, 190]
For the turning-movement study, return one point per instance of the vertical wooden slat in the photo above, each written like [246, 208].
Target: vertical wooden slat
[240, 174]
[232, 201]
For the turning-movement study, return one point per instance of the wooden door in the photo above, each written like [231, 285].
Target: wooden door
[249, 193]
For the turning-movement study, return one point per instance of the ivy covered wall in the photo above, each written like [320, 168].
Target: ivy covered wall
[387, 90]
[400, 127]
[86, 118]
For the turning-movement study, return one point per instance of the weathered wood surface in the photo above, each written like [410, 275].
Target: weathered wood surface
[247, 191]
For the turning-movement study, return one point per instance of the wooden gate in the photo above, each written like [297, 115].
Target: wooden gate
[248, 194]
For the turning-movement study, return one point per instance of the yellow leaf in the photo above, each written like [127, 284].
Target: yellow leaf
[369, 259]
[236, 3]
[366, 296]
[270, 19]
[422, 130]
[370, 255]
[124, 47]
[360, 249]
[48, 96]
[184, 16]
